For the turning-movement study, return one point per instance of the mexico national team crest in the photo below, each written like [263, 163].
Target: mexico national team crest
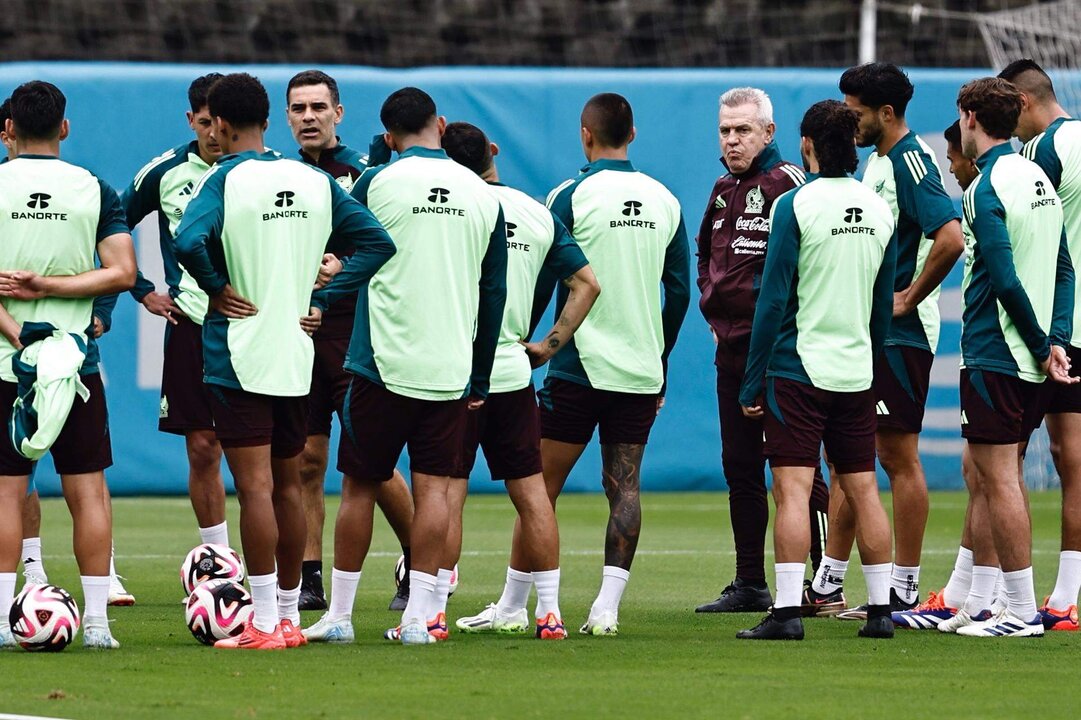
[756, 202]
[346, 182]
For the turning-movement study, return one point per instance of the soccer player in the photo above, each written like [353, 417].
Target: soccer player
[421, 352]
[903, 171]
[56, 216]
[1017, 320]
[1053, 141]
[612, 373]
[507, 426]
[314, 111]
[810, 367]
[731, 251]
[253, 237]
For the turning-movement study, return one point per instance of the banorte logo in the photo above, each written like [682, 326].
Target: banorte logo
[630, 208]
[853, 215]
[439, 195]
[285, 198]
[39, 200]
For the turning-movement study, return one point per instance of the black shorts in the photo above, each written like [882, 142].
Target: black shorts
[1067, 398]
[507, 428]
[185, 400]
[902, 377]
[1000, 409]
[801, 418]
[330, 381]
[570, 411]
[83, 446]
[247, 419]
[380, 423]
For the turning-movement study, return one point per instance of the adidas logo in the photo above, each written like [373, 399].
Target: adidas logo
[187, 189]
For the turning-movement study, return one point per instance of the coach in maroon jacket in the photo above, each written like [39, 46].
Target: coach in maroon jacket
[731, 253]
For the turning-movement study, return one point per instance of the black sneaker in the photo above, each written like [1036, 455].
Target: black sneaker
[896, 605]
[401, 597]
[816, 604]
[879, 623]
[740, 596]
[312, 596]
[773, 628]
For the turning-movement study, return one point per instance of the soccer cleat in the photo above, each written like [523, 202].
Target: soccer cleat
[490, 619]
[816, 604]
[312, 595]
[963, 619]
[98, 637]
[326, 630]
[773, 629]
[118, 595]
[292, 635]
[35, 577]
[879, 624]
[7, 639]
[400, 600]
[1004, 624]
[604, 625]
[437, 628]
[254, 639]
[925, 616]
[740, 596]
[896, 605]
[1058, 619]
[416, 634]
[551, 628]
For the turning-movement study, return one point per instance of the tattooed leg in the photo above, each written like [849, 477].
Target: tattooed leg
[622, 480]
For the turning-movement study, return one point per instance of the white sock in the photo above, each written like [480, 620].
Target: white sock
[343, 593]
[421, 597]
[95, 598]
[982, 591]
[613, 583]
[830, 576]
[288, 605]
[789, 584]
[264, 596]
[32, 561]
[999, 593]
[877, 578]
[1020, 593]
[547, 582]
[905, 581]
[1067, 585]
[7, 596]
[215, 534]
[956, 590]
[515, 592]
[112, 563]
[442, 592]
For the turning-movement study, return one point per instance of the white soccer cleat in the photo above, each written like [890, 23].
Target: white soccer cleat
[327, 630]
[605, 624]
[416, 633]
[7, 639]
[118, 595]
[36, 577]
[491, 620]
[1005, 624]
[98, 637]
[962, 620]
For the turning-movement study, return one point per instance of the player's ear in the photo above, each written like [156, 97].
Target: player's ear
[771, 128]
[388, 138]
[191, 118]
[886, 113]
[266, 124]
[634, 134]
[65, 129]
[441, 123]
[339, 113]
[494, 148]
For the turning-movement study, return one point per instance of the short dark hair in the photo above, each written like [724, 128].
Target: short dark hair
[996, 104]
[314, 77]
[610, 118]
[1027, 75]
[240, 99]
[407, 111]
[953, 134]
[5, 112]
[199, 88]
[37, 109]
[877, 84]
[466, 144]
[831, 127]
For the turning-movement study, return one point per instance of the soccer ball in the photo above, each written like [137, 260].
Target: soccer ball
[210, 562]
[399, 574]
[216, 610]
[44, 617]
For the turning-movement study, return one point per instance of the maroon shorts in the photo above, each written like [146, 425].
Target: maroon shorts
[380, 423]
[570, 411]
[507, 428]
[902, 377]
[247, 419]
[800, 418]
[1000, 409]
[185, 399]
[330, 381]
[1067, 398]
[83, 446]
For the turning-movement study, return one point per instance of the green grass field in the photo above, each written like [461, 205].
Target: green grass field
[667, 661]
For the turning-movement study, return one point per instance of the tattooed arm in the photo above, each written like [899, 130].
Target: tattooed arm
[583, 292]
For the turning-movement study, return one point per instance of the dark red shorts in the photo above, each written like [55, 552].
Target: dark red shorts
[1000, 409]
[1067, 398]
[185, 400]
[330, 381]
[507, 428]
[902, 377]
[247, 419]
[570, 411]
[83, 446]
[801, 418]
[380, 423]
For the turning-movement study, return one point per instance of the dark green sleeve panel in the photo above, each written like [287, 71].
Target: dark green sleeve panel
[882, 301]
[111, 220]
[782, 262]
[1062, 317]
[561, 205]
[1047, 158]
[201, 228]
[493, 298]
[925, 201]
[564, 257]
[379, 152]
[676, 282]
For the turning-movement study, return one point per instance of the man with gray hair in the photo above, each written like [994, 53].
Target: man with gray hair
[731, 253]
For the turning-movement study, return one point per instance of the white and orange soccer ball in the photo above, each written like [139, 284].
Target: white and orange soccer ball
[44, 618]
[210, 562]
[216, 610]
